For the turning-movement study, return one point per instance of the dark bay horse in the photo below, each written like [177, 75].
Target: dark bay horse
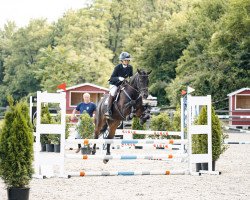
[129, 100]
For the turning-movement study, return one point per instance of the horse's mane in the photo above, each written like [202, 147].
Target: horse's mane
[133, 78]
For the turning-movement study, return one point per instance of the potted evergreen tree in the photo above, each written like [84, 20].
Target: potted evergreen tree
[86, 130]
[46, 139]
[16, 151]
[57, 138]
[200, 141]
[56, 142]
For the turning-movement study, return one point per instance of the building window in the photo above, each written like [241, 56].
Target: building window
[75, 98]
[243, 102]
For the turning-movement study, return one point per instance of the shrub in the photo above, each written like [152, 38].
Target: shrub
[137, 126]
[86, 126]
[200, 141]
[160, 122]
[16, 146]
[177, 119]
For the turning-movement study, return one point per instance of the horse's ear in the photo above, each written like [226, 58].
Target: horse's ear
[139, 71]
[149, 72]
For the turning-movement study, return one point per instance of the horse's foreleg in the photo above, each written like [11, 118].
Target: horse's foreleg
[108, 150]
[94, 146]
[112, 129]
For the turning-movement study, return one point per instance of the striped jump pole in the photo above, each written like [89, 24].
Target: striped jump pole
[147, 132]
[240, 142]
[127, 173]
[233, 116]
[122, 141]
[236, 129]
[127, 157]
[167, 147]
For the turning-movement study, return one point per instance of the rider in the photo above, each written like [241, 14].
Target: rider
[121, 71]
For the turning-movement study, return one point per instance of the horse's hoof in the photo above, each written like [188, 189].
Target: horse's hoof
[105, 161]
[93, 152]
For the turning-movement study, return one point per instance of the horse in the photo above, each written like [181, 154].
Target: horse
[128, 103]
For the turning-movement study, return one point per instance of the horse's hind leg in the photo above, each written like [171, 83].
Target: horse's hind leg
[99, 129]
[94, 146]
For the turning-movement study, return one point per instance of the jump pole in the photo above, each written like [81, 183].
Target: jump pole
[128, 173]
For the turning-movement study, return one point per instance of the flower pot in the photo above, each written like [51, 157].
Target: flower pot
[43, 147]
[57, 148]
[204, 166]
[18, 193]
[50, 147]
[86, 150]
[138, 147]
[198, 167]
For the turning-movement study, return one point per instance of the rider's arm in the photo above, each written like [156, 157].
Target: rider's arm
[115, 77]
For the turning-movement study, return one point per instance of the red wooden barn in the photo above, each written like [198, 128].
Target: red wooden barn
[74, 94]
[239, 107]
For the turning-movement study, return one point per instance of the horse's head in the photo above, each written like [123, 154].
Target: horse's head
[141, 82]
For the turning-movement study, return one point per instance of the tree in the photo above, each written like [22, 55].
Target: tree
[195, 66]
[16, 146]
[23, 48]
[79, 53]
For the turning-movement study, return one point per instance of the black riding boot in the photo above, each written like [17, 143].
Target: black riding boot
[108, 114]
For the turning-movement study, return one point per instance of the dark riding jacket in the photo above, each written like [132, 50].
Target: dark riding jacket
[120, 71]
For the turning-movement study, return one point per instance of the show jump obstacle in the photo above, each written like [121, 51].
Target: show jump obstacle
[44, 162]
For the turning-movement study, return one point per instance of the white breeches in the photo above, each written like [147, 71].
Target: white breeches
[112, 90]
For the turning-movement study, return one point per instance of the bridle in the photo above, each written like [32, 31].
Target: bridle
[139, 90]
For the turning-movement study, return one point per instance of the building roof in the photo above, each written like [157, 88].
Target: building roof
[238, 91]
[84, 84]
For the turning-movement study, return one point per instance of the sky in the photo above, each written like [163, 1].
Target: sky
[22, 11]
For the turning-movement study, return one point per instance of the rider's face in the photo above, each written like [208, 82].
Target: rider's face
[125, 62]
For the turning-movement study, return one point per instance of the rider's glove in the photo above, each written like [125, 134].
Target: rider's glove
[121, 78]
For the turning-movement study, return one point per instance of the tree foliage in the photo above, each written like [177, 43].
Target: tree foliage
[200, 43]
[16, 146]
